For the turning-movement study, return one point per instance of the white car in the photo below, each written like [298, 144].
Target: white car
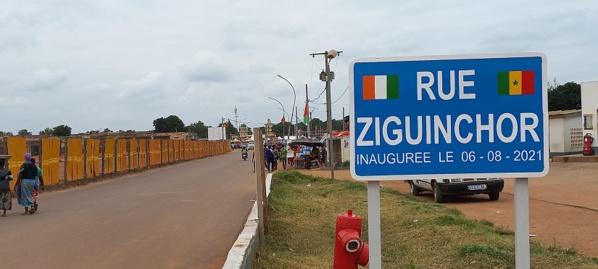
[457, 186]
[251, 145]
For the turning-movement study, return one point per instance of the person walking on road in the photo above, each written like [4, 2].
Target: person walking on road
[276, 155]
[283, 157]
[5, 194]
[39, 180]
[253, 159]
[269, 156]
[26, 184]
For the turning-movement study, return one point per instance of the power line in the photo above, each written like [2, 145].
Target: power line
[341, 95]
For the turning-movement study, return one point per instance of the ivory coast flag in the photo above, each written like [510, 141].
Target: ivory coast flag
[516, 82]
[380, 87]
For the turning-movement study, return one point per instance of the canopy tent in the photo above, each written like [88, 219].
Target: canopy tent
[305, 142]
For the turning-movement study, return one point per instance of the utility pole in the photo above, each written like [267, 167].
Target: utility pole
[307, 109]
[237, 122]
[326, 76]
[296, 122]
[222, 126]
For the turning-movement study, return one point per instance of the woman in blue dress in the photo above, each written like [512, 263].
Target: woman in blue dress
[26, 184]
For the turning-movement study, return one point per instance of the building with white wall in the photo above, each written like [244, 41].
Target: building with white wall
[566, 136]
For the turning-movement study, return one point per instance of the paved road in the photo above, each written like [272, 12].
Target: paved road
[181, 216]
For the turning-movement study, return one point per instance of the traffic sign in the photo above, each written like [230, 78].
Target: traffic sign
[449, 116]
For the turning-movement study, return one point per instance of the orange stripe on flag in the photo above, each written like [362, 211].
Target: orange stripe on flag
[369, 87]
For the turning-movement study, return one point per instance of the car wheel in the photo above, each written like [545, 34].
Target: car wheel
[413, 189]
[438, 197]
[494, 195]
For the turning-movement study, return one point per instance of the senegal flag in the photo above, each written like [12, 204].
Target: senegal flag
[516, 82]
[380, 87]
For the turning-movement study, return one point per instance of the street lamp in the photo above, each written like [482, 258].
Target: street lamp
[294, 99]
[283, 112]
[327, 76]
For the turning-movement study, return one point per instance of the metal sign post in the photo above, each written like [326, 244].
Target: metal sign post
[522, 257]
[374, 232]
[455, 116]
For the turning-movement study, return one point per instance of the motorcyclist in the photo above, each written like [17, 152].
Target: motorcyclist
[244, 153]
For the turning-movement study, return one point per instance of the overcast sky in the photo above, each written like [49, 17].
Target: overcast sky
[121, 64]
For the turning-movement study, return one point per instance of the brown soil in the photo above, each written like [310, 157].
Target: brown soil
[563, 205]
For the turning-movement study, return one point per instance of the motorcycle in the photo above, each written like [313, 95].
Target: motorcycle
[244, 156]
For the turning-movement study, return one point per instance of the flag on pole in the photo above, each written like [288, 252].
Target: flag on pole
[306, 114]
[282, 120]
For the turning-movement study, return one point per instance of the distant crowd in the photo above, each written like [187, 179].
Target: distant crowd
[297, 155]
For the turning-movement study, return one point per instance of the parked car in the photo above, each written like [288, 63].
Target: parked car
[457, 186]
[251, 145]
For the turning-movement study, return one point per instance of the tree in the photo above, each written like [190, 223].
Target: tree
[199, 129]
[5, 133]
[106, 130]
[61, 130]
[169, 125]
[564, 97]
[23, 132]
[249, 131]
[230, 128]
[318, 124]
[47, 131]
[278, 128]
[337, 125]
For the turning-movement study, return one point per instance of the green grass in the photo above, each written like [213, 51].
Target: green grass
[415, 234]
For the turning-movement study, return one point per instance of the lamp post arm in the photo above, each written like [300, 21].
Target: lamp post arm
[294, 97]
[283, 112]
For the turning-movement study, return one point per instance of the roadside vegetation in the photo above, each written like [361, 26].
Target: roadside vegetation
[415, 234]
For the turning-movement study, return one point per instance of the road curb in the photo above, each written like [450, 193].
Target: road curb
[242, 253]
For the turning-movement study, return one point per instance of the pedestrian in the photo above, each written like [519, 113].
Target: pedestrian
[253, 160]
[26, 184]
[283, 157]
[315, 156]
[269, 157]
[276, 154]
[40, 182]
[5, 194]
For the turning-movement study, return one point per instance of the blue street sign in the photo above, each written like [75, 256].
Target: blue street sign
[449, 116]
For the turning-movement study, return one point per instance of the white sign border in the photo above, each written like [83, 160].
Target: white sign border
[546, 148]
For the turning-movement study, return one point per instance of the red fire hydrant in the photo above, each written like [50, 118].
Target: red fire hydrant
[349, 250]
[587, 144]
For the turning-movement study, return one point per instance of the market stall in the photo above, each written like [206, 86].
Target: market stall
[305, 153]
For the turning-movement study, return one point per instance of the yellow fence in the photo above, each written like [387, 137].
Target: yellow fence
[93, 157]
[50, 160]
[74, 167]
[77, 158]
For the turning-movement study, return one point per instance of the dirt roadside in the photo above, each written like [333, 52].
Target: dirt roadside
[563, 205]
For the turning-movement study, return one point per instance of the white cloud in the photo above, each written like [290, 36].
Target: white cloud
[43, 80]
[150, 86]
[208, 66]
